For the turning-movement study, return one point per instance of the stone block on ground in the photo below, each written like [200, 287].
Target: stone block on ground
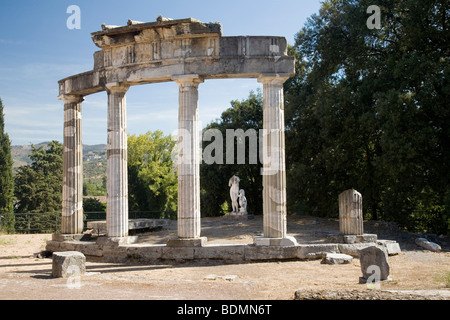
[68, 263]
[392, 247]
[374, 262]
[428, 245]
[337, 258]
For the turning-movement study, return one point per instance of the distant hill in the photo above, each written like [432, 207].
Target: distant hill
[20, 154]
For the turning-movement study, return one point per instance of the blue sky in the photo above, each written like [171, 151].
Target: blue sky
[37, 49]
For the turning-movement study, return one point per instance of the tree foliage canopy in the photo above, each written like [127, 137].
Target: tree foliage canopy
[6, 178]
[152, 175]
[368, 109]
[38, 186]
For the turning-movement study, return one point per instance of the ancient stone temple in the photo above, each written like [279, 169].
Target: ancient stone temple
[187, 52]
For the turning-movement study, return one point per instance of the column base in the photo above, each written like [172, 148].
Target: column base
[61, 237]
[287, 241]
[187, 242]
[116, 241]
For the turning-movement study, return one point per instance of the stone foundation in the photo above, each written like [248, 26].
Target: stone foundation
[123, 249]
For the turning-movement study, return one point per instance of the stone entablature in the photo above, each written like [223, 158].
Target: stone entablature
[140, 53]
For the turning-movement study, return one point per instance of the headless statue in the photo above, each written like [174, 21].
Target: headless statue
[233, 183]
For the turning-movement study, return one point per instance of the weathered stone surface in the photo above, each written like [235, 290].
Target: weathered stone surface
[68, 263]
[284, 242]
[188, 162]
[428, 245]
[366, 237]
[155, 51]
[374, 256]
[270, 252]
[116, 241]
[117, 172]
[89, 248]
[187, 242]
[144, 252]
[353, 249]
[273, 157]
[337, 258]
[220, 253]
[360, 238]
[177, 253]
[392, 247]
[52, 246]
[350, 213]
[72, 191]
[316, 251]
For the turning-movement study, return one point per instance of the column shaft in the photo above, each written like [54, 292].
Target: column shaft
[274, 173]
[72, 193]
[117, 172]
[189, 225]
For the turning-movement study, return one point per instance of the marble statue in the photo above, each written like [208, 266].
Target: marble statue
[242, 202]
[233, 183]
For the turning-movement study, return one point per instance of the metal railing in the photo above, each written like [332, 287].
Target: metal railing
[50, 222]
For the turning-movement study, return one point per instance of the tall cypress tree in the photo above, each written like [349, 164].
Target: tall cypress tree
[6, 178]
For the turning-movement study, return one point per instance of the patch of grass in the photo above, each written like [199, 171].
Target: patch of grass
[443, 278]
[7, 241]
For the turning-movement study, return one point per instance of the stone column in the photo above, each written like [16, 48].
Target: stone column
[72, 193]
[350, 213]
[273, 171]
[117, 173]
[189, 225]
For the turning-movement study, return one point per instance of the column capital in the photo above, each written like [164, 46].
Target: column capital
[70, 98]
[273, 78]
[187, 79]
[117, 87]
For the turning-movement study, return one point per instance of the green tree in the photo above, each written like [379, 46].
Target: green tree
[152, 175]
[368, 109]
[38, 190]
[93, 205]
[215, 192]
[38, 186]
[6, 178]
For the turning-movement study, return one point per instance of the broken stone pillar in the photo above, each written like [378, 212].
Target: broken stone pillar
[189, 226]
[72, 193]
[117, 173]
[350, 213]
[273, 156]
[374, 263]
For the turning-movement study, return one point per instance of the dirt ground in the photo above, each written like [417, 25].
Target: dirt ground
[416, 273]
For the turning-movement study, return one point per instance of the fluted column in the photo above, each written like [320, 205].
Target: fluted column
[350, 213]
[117, 173]
[189, 226]
[72, 193]
[274, 168]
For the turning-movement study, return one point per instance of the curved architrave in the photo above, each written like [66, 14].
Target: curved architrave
[230, 57]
